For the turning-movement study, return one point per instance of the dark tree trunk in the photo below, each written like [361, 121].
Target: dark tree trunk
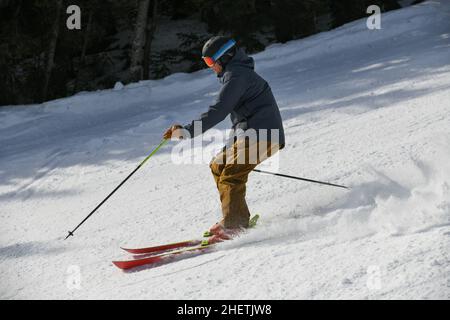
[87, 34]
[137, 50]
[151, 29]
[51, 50]
[15, 19]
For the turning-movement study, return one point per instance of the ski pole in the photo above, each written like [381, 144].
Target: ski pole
[104, 200]
[303, 179]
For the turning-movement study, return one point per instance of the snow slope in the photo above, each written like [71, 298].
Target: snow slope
[369, 109]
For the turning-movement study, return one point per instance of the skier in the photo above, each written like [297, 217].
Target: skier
[249, 101]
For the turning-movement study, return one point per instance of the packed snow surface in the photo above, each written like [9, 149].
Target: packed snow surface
[366, 108]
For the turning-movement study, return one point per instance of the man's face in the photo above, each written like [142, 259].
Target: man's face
[217, 68]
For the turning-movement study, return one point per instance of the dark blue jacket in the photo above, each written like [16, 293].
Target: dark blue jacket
[246, 97]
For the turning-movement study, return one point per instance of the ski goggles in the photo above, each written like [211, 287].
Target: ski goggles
[211, 61]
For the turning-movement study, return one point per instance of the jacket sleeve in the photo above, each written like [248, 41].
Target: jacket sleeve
[232, 90]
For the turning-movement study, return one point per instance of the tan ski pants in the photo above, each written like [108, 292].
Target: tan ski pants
[230, 169]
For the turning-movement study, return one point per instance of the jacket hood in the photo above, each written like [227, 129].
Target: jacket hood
[240, 59]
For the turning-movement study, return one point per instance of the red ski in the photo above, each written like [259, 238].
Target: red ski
[164, 247]
[178, 245]
[163, 257]
[166, 252]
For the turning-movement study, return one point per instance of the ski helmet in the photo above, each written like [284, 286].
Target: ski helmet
[218, 48]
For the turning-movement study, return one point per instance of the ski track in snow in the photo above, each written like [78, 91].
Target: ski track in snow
[369, 109]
